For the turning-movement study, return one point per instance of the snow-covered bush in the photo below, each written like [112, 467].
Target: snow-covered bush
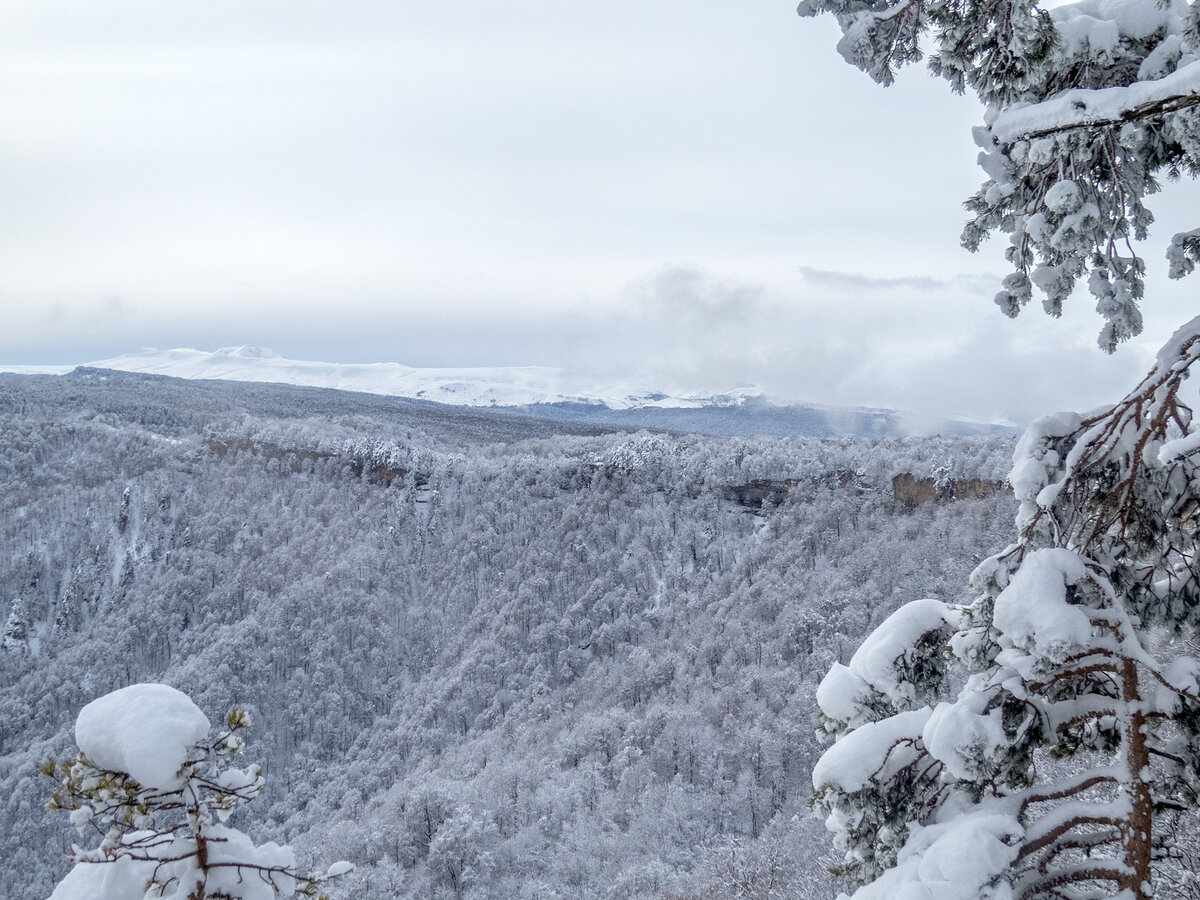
[150, 785]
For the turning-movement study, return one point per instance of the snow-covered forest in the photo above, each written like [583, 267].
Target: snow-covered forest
[485, 656]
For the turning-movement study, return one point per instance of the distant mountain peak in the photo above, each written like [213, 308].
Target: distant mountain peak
[248, 351]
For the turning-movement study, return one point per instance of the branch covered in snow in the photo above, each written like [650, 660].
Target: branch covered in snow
[1088, 105]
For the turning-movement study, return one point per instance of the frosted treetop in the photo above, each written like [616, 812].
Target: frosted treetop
[144, 730]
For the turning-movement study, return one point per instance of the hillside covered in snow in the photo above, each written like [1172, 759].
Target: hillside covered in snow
[485, 655]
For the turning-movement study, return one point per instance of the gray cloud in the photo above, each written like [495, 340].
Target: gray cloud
[55, 313]
[938, 354]
[89, 314]
[696, 297]
[856, 281]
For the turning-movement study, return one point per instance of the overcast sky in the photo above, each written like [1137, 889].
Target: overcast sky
[700, 189]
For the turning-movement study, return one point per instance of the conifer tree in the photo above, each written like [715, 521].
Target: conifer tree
[1076, 725]
[16, 629]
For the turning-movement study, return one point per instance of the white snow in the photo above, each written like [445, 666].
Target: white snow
[35, 370]
[1033, 462]
[1063, 197]
[144, 730]
[1178, 448]
[877, 667]
[237, 868]
[956, 860]
[842, 694]
[122, 879]
[478, 386]
[1099, 23]
[228, 845]
[963, 736]
[1172, 351]
[876, 749]
[1098, 28]
[1075, 108]
[1183, 672]
[1054, 818]
[239, 779]
[876, 659]
[1033, 613]
[247, 351]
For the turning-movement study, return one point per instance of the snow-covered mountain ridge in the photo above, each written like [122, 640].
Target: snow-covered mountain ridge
[542, 391]
[479, 386]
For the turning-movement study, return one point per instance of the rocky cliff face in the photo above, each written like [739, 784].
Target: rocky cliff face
[908, 491]
[757, 496]
[911, 492]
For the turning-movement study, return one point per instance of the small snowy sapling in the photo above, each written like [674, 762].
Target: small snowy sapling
[151, 785]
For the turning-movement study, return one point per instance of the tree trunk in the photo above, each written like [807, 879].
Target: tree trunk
[1136, 833]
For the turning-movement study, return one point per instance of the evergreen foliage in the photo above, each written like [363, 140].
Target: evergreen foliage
[1073, 739]
[15, 638]
[1089, 105]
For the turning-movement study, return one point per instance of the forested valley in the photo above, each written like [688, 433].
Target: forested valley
[485, 656]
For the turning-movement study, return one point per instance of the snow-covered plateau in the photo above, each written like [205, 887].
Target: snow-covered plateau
[541, 391]
[476, 386]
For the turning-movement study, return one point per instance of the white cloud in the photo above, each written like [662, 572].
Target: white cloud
[482, 184]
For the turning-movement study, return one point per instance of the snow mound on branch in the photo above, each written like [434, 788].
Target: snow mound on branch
[122, 879]
[882, 665]
[843, 696]
[144, 730]
[956, 860]
[875, 751]
[1085, 106]
[1172, 352]
[1100, 24]
[339, 868]
[1033, 613]
[237, 868]
[1178, 448]
[240, 869]
[1034, 461]
[965, 736]
[893, 641]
